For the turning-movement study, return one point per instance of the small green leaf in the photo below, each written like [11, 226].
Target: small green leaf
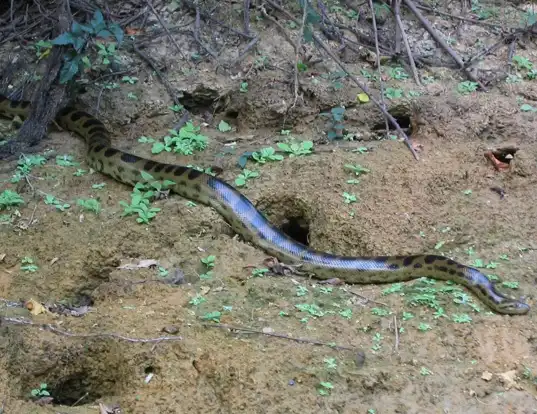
[223, 126]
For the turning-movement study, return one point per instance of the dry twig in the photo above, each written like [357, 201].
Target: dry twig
[279, 335]
[399, 24]
[58, 331]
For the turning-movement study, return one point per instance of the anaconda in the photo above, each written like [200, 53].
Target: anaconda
[254, 227]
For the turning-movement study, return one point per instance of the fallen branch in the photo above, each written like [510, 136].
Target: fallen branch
[278, 335]
[53, 329]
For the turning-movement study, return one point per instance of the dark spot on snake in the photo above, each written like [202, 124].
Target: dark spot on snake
[15, 104]
[407, 261]
[75, 116]
[451, 262]
[193, 174]
[197, 187]
[182, 183]
[452, 271]
[378, 259]
[64, 112]
[149, 165]
[97, 130]
[159, 167]
[98, 147]
[393, 266]
[169, 168]
[180, 170]
[120, 169]
[110, 163]
[482, 289]
[459, 266]
[440, 258]
[442, 268]
[130, 158]
[110, 152]
[461, 274]
[429, 268]
[418, 265]
[92, 122]
[429, 259]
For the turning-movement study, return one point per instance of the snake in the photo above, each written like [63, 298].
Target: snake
[253, 226]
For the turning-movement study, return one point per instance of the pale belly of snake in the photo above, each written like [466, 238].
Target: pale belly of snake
[252, 225]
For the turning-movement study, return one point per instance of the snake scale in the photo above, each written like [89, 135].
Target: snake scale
[253, 226]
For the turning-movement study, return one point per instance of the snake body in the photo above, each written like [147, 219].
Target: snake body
[254, 227]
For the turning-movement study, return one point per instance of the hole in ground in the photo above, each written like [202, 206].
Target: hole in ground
[76, 388]
[402, 120]
[297, 228]
[290, 214]
[505, 154]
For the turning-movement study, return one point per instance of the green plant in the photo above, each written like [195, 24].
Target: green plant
[244, 87]
[40, 392]
[243, 177]
[66, 161]
[393, 93]
[296, 149]
[398, 73]
[357, 169]
[51, 200]
[142, 195]
[90, 205]
[223, 126]
[185, 142]
[25, 165]
[336, 127]
[266, 154]
[259, 272]
[10, 199]
[176, 108]
[467, 87]
[129, 79]
[208, 263]
[28, 265]
[76, 58]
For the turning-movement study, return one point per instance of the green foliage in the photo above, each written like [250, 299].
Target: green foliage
[10, 199]
[336, 117]
[186, 141]
[75, 58]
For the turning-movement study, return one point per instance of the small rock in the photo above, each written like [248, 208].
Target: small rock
[268, 330]
[487, 376]
[172, 330]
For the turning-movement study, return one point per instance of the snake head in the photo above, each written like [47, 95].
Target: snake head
[513, 307]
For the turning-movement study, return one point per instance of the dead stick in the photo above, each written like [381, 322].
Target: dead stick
[364, 88]
[52, 328]
[381, 82]
[405, 41]
[425, 23]
[278, 335]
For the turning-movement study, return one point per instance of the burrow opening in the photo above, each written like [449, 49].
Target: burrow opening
[505, 154]
[290, 215]
[404, 122]
[298, 228]
[74, 389]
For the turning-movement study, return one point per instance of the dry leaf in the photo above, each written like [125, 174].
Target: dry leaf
[35, 307]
